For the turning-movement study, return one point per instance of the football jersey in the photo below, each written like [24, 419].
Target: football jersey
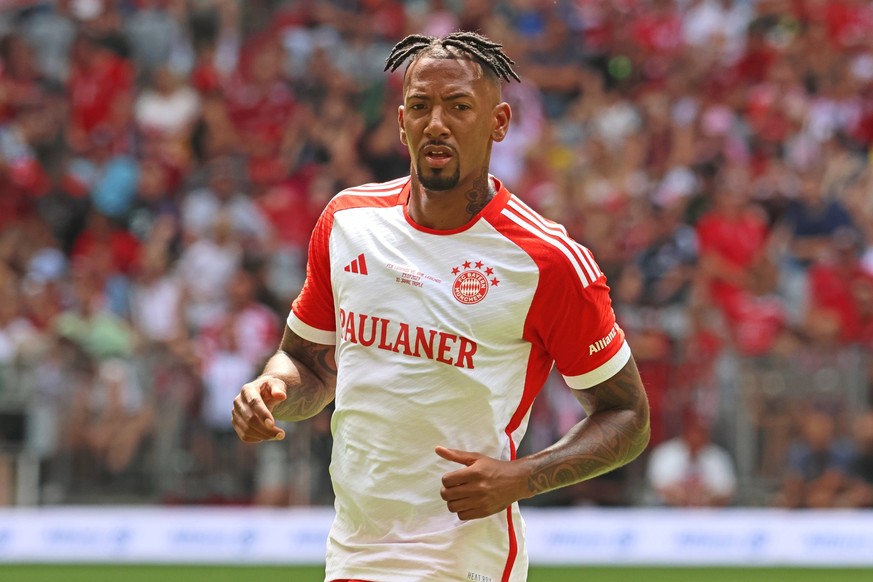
[443, 337]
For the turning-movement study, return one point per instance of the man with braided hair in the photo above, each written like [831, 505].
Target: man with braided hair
[434, 307]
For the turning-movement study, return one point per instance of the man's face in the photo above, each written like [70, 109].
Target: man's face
[451, 113]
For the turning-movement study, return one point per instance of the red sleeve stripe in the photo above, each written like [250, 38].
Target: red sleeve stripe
[555, 242]
[590, 258]
[538, 233]
[558, 231]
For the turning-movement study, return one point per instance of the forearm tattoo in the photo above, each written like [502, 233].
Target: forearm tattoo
[480, 194]
[614, 434]
[314, 384]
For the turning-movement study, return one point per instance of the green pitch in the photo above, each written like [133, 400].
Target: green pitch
[124, 573]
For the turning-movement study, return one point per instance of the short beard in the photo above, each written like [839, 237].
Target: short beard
[439, 182]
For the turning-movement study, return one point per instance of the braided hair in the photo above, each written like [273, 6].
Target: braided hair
[482, 49]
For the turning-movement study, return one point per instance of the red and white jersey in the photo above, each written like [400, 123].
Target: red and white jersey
[442, 338]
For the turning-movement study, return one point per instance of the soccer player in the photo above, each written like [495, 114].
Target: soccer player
[434, 307]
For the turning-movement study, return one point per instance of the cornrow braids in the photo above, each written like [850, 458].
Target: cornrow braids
[484, 50]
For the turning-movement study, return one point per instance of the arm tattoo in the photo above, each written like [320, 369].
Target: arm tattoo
[480, 194]
[615, 433]
[312, 381]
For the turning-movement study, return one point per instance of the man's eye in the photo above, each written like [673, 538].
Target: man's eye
[462, 107]
[417, 106]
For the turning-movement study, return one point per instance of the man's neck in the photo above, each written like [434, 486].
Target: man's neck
[451, 209]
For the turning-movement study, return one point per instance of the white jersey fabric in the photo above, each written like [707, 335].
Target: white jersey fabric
[442, 338]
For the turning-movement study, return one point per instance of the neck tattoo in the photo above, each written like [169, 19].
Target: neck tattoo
[480, 194]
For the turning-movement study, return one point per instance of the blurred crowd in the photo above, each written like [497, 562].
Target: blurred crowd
[162, 163]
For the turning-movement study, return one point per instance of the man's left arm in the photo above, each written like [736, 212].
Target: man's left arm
[615, 432]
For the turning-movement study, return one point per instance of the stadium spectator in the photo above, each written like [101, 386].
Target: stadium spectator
[205, 267]
[119, 419]
[840, 304]
[166, 107]
[105, 242]
[733, 237]
[100, 88]
[156, 309]
[51, 31]
[154, 214]
[813, 218]
[860, 490]
[818, 464]
[223, 196]
[157, 36]
[690, 470]
[89, 321]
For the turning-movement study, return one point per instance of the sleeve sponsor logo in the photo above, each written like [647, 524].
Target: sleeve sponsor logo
[602, 343]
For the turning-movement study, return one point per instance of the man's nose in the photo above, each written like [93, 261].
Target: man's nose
[436, 127]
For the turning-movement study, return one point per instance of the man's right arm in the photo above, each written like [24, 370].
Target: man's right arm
[298, 381]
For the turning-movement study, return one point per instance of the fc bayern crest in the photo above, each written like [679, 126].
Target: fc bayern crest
[471, 283]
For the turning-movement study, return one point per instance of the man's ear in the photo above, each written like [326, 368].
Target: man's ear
[400, 124]
[502, 116]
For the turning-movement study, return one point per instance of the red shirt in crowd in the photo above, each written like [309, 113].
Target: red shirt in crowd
[755, 322]
[737, 240]
[839, 292]
[96, 86]
[122, 247]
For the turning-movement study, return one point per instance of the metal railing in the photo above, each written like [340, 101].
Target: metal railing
[180, 460]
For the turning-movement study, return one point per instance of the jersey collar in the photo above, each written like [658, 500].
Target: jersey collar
[491, 210]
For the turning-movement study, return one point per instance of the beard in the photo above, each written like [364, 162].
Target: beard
[438, 180]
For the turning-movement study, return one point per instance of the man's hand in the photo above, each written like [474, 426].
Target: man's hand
[252, 410]
[484, 486]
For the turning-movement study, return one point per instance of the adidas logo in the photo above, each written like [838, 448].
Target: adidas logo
[359, 265]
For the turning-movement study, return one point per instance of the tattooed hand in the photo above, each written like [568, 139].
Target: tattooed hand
[483, 486]
[297, 383]
[253, 410]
